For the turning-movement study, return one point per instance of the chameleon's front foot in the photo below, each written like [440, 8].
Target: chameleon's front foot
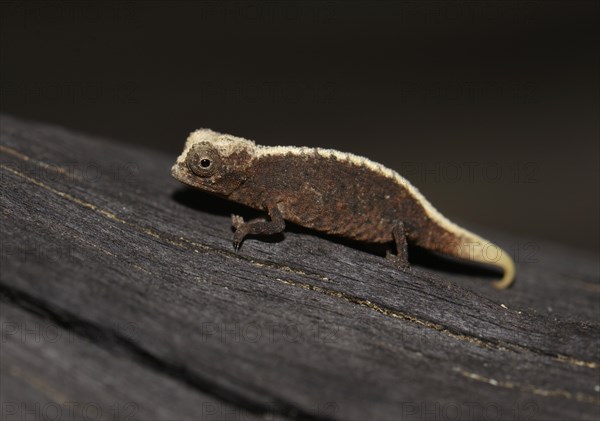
[256, 227]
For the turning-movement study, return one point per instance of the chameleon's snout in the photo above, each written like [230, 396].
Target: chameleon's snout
[174, 171]
[180, 172]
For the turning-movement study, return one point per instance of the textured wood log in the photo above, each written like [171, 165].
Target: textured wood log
[121, 297]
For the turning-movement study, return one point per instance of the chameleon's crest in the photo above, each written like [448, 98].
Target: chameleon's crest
[225, 144]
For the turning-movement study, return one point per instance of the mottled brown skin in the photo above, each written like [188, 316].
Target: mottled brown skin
[333, 196]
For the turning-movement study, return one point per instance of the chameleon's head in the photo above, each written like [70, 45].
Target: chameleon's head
[214, 162]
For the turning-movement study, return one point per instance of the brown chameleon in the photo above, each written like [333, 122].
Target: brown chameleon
[329, 191]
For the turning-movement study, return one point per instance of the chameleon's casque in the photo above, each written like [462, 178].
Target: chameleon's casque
[329, 191]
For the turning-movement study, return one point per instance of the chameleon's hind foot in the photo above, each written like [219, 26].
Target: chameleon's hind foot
[399, 262]
[400, 259]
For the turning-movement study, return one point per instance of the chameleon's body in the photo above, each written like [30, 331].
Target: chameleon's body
[329, 191]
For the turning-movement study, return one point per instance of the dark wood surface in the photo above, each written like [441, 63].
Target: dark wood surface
[122, 298]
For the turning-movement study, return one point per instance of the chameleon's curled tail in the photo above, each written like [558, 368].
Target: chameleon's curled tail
[483, 251]
[450, 239]
[506, 263]
[472, 247]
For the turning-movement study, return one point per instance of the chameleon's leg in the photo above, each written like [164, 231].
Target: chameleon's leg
[256, 226]
[401, 256]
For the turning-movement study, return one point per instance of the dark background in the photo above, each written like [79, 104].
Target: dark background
[490, 108]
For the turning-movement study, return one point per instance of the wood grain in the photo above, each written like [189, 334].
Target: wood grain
[121, 294]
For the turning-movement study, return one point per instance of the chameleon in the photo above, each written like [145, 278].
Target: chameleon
[329, 191]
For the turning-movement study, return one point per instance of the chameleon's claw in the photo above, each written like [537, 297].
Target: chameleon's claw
[238, 223]
[237, 241]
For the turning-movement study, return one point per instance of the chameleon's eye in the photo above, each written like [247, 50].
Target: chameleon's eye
[202, 160]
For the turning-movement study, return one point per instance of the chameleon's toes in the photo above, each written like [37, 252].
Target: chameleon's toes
[405, 266]
[237, 243]
[398, 262]
[238, 237]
